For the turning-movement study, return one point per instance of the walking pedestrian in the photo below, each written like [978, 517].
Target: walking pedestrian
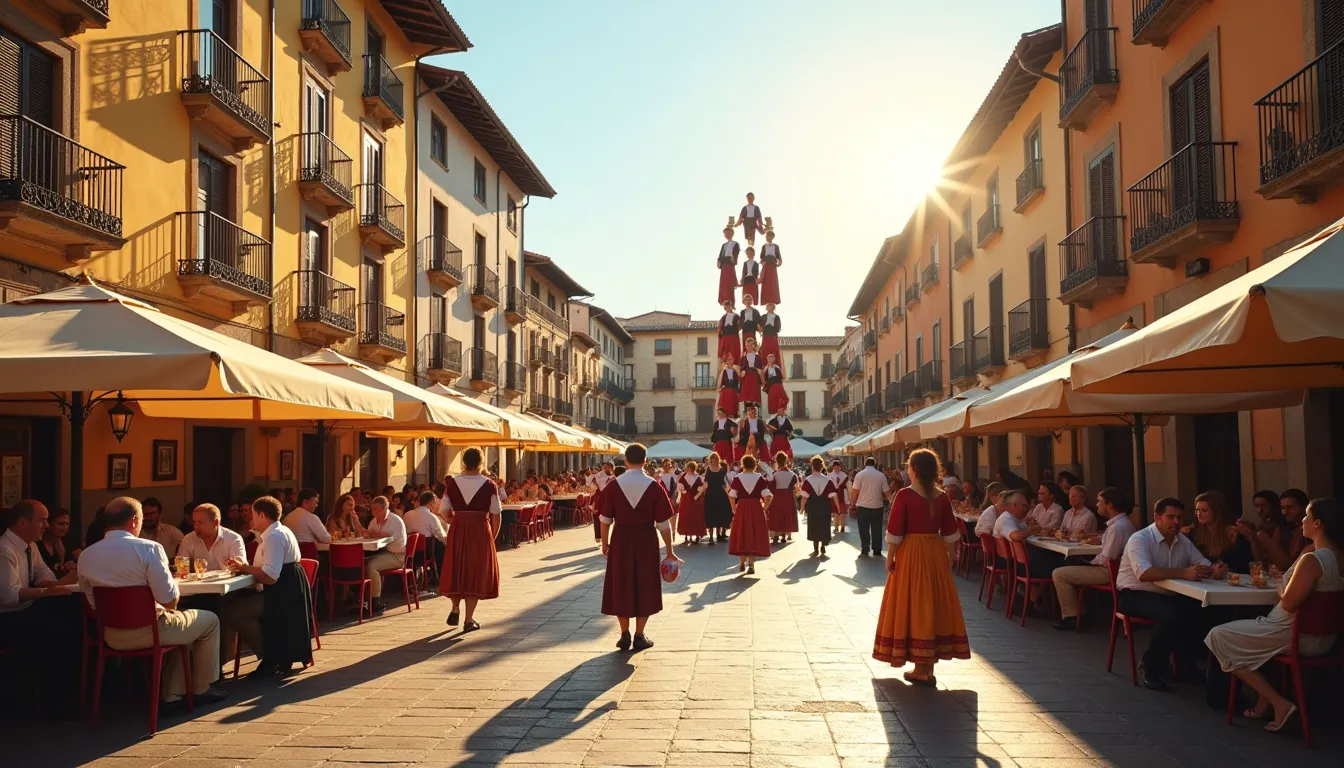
[871, 492]
[718, 508]
[749, 538]
[691, 506]
[470, 566]
[633, 585]
[818, 500]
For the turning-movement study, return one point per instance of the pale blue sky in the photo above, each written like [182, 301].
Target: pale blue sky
[653, 119]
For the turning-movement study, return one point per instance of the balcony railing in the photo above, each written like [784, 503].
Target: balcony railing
[1028, 328]
[562, 407]
[931, 377]
[930, 276]
[1302, 130]
[897, 314]
[514, 376]
[873, 403]
[383, 90]
[703, 381]
[382, 217]
[538, 401]
[382, 326]
[869, 340]
[325, 30]
[959, 362]
[673, 427]
[440, 352]
[221, 259]
[617, 391]
[540, 355]
[1088, 77]
[988, 225]
[798, 371]
[485, 284]
[441, 260]
[1092, 260]
[856, 367]
[987, 346]
[962, 250]
[483, 366]
[884, 324]
[1155, 20]
[515, 306]
[539, 308]
[326, 173]
[1189, 201]
[212, 69]
[560, 363]
[912, 294]
[911, 387]
[840, 398]
[1030, 183]
[598, 425]
[827, 370]
[664, 382]
[892, 396]
[45, 171]
[324, 299]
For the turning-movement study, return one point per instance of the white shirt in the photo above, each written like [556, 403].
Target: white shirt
[228, 544]
[986, 522]
[396, 528]
[816, 485]
[1051, 518]
[1080, 520]
[307, 527]
[870, 485]
[1007, 524]
[728, 247]
[276, 548]
[597, 480]
[122, 560]
[1147, 549]
[1118, 531]
[728, 319]
[16, 574]
[769, 249]
[751, 211]
[167, 535]
[420, 520]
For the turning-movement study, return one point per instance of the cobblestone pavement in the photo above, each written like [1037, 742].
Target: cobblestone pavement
[764, 671]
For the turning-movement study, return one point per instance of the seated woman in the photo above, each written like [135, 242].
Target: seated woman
[52, 546]
[343, 519]
[1242, 647]
[1215, 533]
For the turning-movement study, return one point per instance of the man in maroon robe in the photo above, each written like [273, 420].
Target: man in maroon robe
[633, 586]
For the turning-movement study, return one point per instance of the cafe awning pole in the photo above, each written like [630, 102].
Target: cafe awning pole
[1140, 470]
[77, 416]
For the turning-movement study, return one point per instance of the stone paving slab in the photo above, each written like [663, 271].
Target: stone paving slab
[770, 671]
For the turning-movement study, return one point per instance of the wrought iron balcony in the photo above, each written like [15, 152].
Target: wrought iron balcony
[988, 226]
[538, 308]
[962, 250]
[1030, 184]
[562, 407]
[1156, 20]
[514, 376]
[912, 293]
[931, 377]
[484, 288]
[892, 396]
[959, 362]
[930, 278]
[912, 387]
[584, 381]
[1302, 130]
[539, 402]
[442, 261]
[869, 340]
[383, 92]
[1028, 329]
[840, 398]
[57, 192]
[539, 356]
[382, 217]
[440, 357]
[884, 324]
[598, 425]
[515, 306]
[220, 259]
[1092, 261]
[797, 411]
[325, 32]
[1088, 78]
[1189, 202]
[482, 369]
[897, 314]
[798, 370]
[219, 87]
[827, 370]
[616, 391]
[988, 351]
[78, 15]
[560, 363]
[325, 173]
[382, 332]
[703, 381]
[873, 403]
[663, 383]
[325, 313]
[856, 367]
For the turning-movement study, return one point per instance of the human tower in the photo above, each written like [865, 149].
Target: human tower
[751, 372]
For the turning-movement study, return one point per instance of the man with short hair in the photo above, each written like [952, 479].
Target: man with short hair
[209, 541]
[167, 535]
[384, 524]
[871, 493]
[1013, 524]
[274, 619]
[1078, 518]
[304, 520]
[124, 559]
[1153, 554]
[985, 524]
[1113, 506]
[425, 521]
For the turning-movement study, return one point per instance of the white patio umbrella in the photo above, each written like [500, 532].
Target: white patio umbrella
[677, 450]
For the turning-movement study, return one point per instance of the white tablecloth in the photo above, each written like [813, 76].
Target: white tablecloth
[515, 506]
[216, 586]
[370, 545]
[1218, 592]
[1066, 548]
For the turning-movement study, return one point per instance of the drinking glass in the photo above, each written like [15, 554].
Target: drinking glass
[1257, 568]
[199, 566]
[182, 565]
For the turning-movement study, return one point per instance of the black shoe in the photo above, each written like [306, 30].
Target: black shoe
[642, 642]
[1068, 624]
[1150, 681]
[471, 626]
[863, 553]
[877, 553]
[624, 643]
[210, 696]
[378, 607]
[263, 671]
[452, 619]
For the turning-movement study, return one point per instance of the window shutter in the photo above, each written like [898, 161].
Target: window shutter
[1331, 23]
[1109, 231]
[39, 79]
[10, 67]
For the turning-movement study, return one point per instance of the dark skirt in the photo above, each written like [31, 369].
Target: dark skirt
[633, 585]
[818, 509]
[718, 511]
[287, 618]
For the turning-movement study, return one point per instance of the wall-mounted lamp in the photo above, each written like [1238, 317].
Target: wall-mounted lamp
[120, 415]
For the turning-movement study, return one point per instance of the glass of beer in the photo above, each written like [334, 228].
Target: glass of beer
[199, 566]
[1257, 569]
[182, 565]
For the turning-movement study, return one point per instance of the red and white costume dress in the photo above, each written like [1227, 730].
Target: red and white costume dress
[782, 431]
[751, 219]
[669, 483]
[775, 396]
[470, 566]
[770, 325]
[750, 534]
[730, 343]
[751, 279]
[722, 437]
[597, 481]
[727, 261]
[690, 510]
[730, 386]
[841, 499]
[783, 505]
[751, 365]
[770, 274]
[639, 507]
[750, 318]
[746, 430]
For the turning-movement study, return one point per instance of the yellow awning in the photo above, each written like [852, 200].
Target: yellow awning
[519, 428]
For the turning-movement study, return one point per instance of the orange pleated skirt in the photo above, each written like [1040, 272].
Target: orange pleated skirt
[920, 621]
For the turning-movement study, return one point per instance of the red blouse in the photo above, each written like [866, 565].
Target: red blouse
[910, 514]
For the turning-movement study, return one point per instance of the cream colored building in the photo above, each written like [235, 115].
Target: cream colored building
[603, 404]
[845, 389]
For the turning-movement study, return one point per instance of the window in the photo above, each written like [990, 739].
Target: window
[512, 218]
[799, 402]
[665, 419]
[478, 183]
[702, 345]
[314, 254]
[662, 346]
[664, 374]
[704, 417]
[536, 289]
[702, 377]
[438, 141]
[1033, 146]
[992, 192]
[33, 73]
[933, 251]
[438, 311]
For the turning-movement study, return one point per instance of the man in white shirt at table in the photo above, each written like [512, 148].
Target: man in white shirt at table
[1043, 517]
[383, 524]
[277, 550]
[985, 523]
[210, 541]
[1078, 518]
[1154, 554]
[308, 528]
[1113, 506]
[425, 521]
[123, 559]
[869, 500]
[167, 535]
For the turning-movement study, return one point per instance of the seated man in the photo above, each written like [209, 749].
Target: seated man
[1011, 524]
[210, 541]
[1159, 552]
[274, 621]
[1047, 515]
[384, 523]
[425, 521]
[1079, 519]
[169, 536]
[1113, 506]
[985, 524]
[122, 559]
[308, 528]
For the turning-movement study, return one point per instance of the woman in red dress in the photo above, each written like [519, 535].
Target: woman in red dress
[470, 566]
[770, 262]
[781, 432]
[750, 537]
[776, 399]
[751, 366]
[691, 507]
[920, 620]
[633, 587]
[730, 385]
[730, 329]
[770, 326]
[784, 502]
[751, 276]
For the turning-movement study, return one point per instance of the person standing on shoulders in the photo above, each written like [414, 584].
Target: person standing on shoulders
[274, 620]
[751, 219]
[1114, 507]
[632, 588]
[871, 493]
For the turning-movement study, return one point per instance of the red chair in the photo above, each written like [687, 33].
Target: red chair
[250, 546]
[344, 561]
[308, 550]
[968, 547]
[133, 608]
[525, 525]
[423, 562]
[1321, 614]
[546, 519]
[997, 576]
[310, 565]
[1083, 591]
[1022, 575]
[1119, 620]
[406, 571]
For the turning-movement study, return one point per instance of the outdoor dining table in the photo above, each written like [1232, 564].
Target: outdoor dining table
[215, 583]
[1211, 592]
[565, 497]
[508, 515]
[967, 517]
[370, 545]
[1065, 548]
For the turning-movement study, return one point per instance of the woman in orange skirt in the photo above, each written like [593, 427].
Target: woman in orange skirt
[784, 503]
[691, 507]
[470, 565]
[750, 537]
[921, 619]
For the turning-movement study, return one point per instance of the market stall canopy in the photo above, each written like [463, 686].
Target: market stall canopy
[804, 449]
[518, 427]
[416, 412]
[911, 428]
[837, 445]
[87, 338]
[866, 443]
[1278, 326]
[677, 450]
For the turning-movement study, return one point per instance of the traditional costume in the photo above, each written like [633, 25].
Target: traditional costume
[728, 253]
[751, 279]
[750, 438]
[639, 508]
[597, 481]
[818, 498]
[722, 435]
[730, 344]
[750, 218]
[783, 506]
[751, 322]
[470, 565]
[781, 431]
[920, 620]
[751, 365]
[770, 260]
[690, 510]
[718, 510]
[775, 396]
[750, 534]
[840, 480]
[729, 387]
[770, 325]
